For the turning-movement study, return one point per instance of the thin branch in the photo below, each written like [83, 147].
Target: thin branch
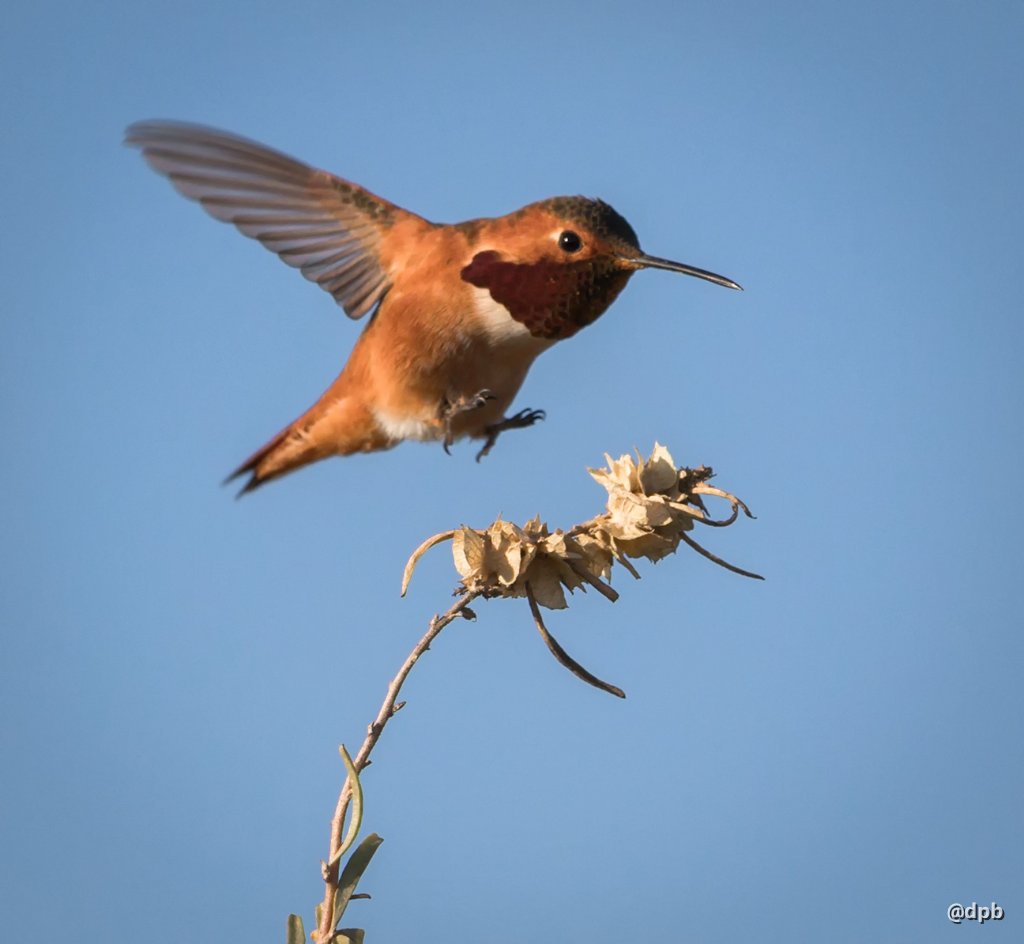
[625, 561]
[698, 515]
[419, 552]
[703, 551]
[563, 657]
[331, 868]
[599, 585]
[704, 489]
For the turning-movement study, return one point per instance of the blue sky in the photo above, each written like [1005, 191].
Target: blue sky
[833, 754]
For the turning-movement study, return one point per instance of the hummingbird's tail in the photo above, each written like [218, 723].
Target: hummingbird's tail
[335, 426]
[264, 464]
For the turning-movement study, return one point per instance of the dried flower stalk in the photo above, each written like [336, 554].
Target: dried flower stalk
[652, 507]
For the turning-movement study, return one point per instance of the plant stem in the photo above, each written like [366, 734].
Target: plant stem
[387, 711]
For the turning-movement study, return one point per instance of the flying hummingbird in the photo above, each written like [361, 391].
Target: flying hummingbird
[458, 312]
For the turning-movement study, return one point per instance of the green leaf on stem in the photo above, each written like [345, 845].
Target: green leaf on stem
[349, 936]
[352, 872]
[296, 932]
[357, 808]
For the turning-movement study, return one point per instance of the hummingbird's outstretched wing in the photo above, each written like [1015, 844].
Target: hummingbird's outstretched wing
[328, 228]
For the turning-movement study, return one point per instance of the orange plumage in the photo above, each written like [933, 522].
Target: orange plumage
[459, 312]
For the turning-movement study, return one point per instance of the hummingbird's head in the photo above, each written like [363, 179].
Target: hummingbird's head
[558, 264]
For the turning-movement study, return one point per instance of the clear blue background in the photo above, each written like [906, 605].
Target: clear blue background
[834, 754]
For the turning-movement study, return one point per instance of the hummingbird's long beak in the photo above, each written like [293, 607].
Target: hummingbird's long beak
[645, 261]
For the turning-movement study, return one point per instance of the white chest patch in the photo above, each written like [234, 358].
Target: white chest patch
[405, 427]
[497, 320]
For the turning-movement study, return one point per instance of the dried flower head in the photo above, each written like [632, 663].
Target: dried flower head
[652, 505]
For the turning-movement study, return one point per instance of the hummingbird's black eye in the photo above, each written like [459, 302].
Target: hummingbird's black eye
[570, 241]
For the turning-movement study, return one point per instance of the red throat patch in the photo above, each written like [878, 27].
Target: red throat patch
[552, 299]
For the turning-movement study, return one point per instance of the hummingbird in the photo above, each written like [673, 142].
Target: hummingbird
[458, 312]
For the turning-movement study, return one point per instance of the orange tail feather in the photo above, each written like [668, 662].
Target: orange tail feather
[333, 427]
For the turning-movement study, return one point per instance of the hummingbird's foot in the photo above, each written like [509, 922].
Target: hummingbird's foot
[452, 408]
[521, 420]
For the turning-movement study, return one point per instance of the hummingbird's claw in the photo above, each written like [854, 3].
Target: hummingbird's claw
[520, 420]
[480, 399]
[452, 408]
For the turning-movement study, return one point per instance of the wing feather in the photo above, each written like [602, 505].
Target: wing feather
[327, 227]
